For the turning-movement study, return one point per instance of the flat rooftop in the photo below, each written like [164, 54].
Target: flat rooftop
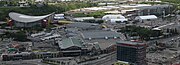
[130, 42]
[83, 25]
[99, 34]
[103, 43]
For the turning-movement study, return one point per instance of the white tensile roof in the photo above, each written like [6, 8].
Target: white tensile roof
[112, 16]
[146, 17]
[119, 19]
[26, 18]
[83, 18]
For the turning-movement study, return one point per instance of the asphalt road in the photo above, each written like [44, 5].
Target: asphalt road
[107, 60]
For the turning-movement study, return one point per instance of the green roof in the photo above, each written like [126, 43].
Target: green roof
[69, 42]
[11, 49]
[97, 46]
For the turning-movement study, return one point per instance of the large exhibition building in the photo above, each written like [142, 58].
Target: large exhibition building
[21, 20]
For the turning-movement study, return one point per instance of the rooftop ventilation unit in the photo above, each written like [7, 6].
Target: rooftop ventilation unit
[90, 38]
[106, 37]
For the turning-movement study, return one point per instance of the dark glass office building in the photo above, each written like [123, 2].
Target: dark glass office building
[132, 52]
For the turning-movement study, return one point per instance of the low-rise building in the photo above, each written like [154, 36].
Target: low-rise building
[82, 19]
[144, 18]
[17, 56]
[61, 61]
[29, 55]
[155, 10]
[59, 16]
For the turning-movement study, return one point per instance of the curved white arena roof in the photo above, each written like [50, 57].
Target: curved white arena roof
[26, 18]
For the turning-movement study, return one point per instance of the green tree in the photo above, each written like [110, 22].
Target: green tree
[144, 33]
[171, 1]
[18, 36]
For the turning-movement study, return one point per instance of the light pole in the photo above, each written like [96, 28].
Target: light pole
[164, 13]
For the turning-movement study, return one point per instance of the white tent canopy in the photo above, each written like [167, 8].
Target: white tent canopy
[84, 18]
[147, 17]
[111, 16]
[114, 21]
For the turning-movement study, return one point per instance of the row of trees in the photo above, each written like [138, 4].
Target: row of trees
[171, 1]
[152, 3]
[97, 14]
[17, 36]
[144, 33]
[9, 3]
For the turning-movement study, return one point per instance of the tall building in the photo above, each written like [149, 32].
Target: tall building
[132, 52]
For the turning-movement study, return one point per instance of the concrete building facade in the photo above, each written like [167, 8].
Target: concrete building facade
[132, 52]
